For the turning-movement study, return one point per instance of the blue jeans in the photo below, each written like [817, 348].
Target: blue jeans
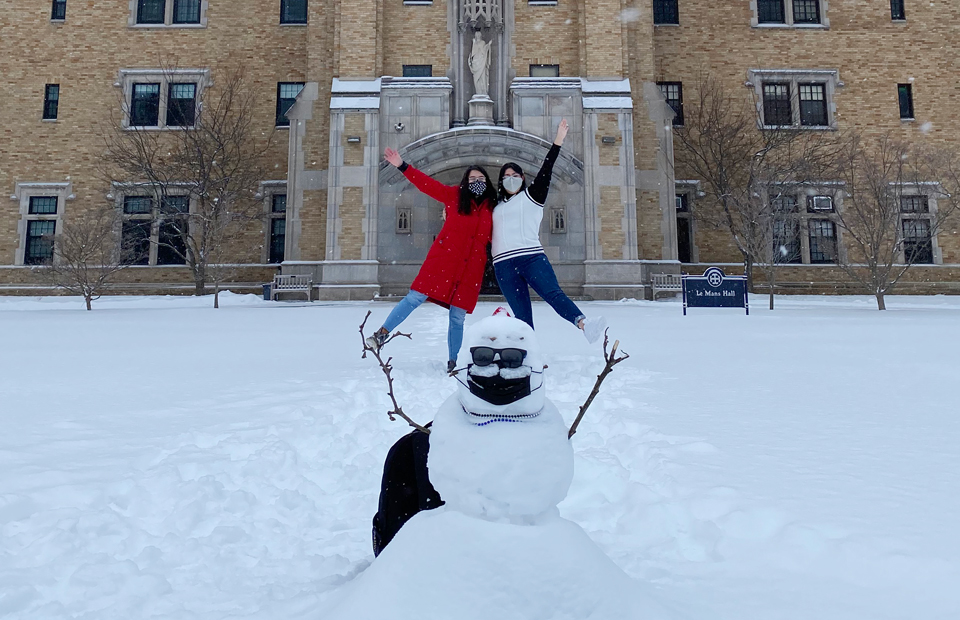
[411, 302]
[515, 274]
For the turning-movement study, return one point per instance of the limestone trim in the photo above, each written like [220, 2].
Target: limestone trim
[167, 17]
[126, 78]
[299, 114]
[830, 78]
[23, 191]
[788, 17]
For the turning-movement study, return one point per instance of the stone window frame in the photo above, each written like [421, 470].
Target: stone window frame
[167, 16]
[63, 190]
[788, 16]
[691, 190]
[805, 213]
[122, 191]
[404, 221]
[269, 189]
[930, 191]
[830, 78]
[558, 220]
[165, 77]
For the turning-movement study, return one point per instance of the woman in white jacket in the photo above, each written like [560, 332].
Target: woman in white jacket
[518, 256]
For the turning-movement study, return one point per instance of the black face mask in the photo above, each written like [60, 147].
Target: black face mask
[498, 390]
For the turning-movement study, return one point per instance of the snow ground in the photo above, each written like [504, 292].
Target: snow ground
[162, 459]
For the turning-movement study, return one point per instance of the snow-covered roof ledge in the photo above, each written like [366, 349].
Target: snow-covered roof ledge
[605, 87]
[355, 94]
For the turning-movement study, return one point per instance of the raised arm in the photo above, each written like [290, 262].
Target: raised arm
[540, 187]
[425, 183]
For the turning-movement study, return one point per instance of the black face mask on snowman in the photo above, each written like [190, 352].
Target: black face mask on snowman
[499, 382]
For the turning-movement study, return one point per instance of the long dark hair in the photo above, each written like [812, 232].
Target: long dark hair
[504, 195]
[466, 196]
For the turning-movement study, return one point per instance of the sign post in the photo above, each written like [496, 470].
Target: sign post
[714, 290]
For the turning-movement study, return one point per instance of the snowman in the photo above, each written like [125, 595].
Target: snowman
[501, 460]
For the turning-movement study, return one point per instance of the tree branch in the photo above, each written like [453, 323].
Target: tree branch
[612, 360]
[387, 369]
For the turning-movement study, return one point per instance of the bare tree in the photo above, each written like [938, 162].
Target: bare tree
[215, 162]
[86, 256]
[896, 197]
[745, 170]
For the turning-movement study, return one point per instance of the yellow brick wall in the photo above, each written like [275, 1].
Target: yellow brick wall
[351, 215]
[611, 223]
[415, 35]
[547, 35]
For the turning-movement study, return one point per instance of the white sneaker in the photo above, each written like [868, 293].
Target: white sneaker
[593, 328]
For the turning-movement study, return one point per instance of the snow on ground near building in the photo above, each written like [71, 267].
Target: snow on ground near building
[162, 459]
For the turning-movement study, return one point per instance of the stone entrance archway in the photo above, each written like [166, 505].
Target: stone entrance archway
[445, 156]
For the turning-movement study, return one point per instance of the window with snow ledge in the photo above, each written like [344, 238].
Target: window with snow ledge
[805, 229]
[154, 228]
[789, 13]
[168, 14]
[275, 214]
[795, 98]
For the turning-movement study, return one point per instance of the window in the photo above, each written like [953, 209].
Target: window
[146, 227]
[286, 94]
[673, 93]
[59, 10]
[278, 227]
[917, 242]
[776, 105]
[150, 11]
[802, 13]
[806, 11]
[786, 241]
[897, 11]
[404, 220]
[178, 13]
[51, 102]
[684, 229]
[181, 104]
[158, 98]
[905, 95]
[558, 220]
[823, 241]
[145, 105]
[293, 11]
[665, 12]
[914, 204]
[799, 98]
[544, 71]
[40, 234]
[40, 231]
[813, 105]
[417, 71]
[172, 230]
[770, 12]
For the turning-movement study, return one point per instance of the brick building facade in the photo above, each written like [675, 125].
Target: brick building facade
[361, 75]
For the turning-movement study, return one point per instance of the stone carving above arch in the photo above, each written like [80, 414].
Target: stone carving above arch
[486, 146]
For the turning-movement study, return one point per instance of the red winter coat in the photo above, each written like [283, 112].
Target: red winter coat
[453, 270]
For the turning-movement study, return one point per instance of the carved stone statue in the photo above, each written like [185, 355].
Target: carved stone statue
[479, 63]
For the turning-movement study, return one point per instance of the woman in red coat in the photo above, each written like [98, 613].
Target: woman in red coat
[453, 270]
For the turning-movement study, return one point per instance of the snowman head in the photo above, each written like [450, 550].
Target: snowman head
[505, 369]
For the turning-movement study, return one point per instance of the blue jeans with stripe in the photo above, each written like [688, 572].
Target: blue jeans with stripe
[514, 275]
[411, 302]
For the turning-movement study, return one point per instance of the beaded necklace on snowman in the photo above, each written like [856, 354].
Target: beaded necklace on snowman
[482, 419]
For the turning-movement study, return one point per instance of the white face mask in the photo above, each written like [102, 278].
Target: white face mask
[512, 184]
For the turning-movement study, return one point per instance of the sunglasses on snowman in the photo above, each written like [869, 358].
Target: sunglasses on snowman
[509, 358]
